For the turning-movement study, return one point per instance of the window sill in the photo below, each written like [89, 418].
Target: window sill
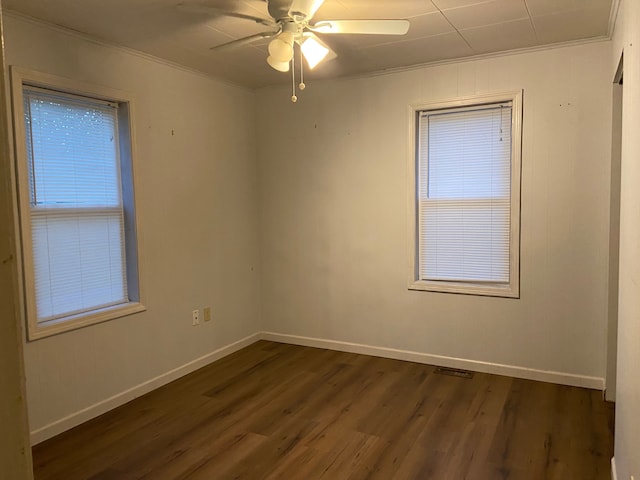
[486, 290]
[65, 324]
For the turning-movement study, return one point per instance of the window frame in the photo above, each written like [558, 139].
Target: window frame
[21, 78]
[511, 289]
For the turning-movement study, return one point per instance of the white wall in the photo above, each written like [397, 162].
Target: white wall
[197, 206]
[333, 176]
[627, 441]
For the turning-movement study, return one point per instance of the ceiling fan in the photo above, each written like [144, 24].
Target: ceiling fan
[290, 25]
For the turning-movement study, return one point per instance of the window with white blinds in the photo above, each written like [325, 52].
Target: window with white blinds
[465, 185]
[78, 231]
[77, 220]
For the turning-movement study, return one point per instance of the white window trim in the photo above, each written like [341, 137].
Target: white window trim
[20, 77]
[511, 290]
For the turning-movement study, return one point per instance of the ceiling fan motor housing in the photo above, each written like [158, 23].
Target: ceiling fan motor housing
[278, 9]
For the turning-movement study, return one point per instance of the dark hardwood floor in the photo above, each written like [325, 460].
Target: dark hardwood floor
[277, 411]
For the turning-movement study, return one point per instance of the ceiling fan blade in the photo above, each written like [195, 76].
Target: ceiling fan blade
[370, 27]
[304, 8]
[245, 41]
[217, 12]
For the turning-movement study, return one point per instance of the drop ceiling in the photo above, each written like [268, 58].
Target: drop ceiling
[440, 30]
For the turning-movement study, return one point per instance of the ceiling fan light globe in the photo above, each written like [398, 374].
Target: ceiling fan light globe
[286, 37]
[280, 50]
[276, 65]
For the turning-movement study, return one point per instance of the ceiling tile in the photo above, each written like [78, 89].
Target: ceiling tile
[204, 63]
[501, 36]
[367, 9]
[572, 25]
[231, 26]
[495, 11]
[237, 27]
[412, 52]
[198, 38]
[445, 4]
[255, 7]
[427, 25]
[333, 10]
[129, 30]
[548, 7]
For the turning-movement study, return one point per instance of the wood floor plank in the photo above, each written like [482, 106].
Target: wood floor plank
[276, 411]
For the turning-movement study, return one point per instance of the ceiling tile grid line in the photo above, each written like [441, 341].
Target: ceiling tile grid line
[452, 25]
[530, 18]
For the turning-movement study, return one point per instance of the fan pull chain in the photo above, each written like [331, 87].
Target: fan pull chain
[302, 85]
[294, 98]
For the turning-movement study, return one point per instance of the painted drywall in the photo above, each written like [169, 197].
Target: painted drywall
[627, 432]
[335, 247]
[197, 206]
[15, 454]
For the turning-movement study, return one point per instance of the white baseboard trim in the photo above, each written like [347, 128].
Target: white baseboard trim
[76, 418]
[614, 473]
[54, 428]
[595, 383]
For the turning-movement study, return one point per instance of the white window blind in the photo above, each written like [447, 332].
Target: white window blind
[76, 210]
[464, 185]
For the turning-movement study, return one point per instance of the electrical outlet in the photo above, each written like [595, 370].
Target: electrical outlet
[195, 317]
[207, 314]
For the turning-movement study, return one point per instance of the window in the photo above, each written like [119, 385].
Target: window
[76, 203]
[466, 196]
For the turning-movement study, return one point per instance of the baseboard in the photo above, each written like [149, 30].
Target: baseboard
[614, 473]
[81, 416]
[595, 383]
[70, 421]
